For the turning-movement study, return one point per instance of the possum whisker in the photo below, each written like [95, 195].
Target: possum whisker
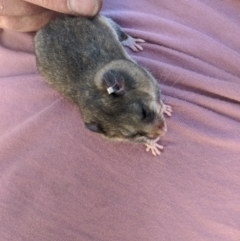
[174, 84]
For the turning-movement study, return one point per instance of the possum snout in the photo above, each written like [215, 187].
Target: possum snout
[159, 129]
[162, 128]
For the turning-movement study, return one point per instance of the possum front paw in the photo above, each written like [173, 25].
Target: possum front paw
[132, 43]
[152, 144]
[167, 109]
[154, 147]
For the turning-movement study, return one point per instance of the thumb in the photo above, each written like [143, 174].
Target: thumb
[76, 7]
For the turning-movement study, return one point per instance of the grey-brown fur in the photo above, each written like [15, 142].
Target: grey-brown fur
[81, 58]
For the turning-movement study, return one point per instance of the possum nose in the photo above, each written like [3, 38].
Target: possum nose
[162, 128]
[159, 130]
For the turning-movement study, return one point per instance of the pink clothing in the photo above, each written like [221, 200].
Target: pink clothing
[59, 181]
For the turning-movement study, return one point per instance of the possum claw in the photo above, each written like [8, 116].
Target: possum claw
[167, 109]
[154, 147]
[132, 43]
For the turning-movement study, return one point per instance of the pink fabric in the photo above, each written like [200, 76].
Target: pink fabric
[59, 181]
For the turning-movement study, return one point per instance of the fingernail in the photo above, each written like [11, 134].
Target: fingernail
[84, 7]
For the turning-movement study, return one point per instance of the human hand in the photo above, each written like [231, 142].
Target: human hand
[31, 15]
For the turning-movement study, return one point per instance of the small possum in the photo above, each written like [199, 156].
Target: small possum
[85, 61]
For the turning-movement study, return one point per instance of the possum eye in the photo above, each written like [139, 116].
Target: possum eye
[147, 114]
[94, 127]
[140, 110]
[144, 113]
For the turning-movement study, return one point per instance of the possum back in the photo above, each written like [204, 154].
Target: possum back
[73, 47]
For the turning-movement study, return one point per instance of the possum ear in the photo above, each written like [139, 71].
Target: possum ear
[93, 127]
[114, 83]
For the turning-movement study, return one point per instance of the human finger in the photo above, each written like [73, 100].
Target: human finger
[18, 8]
[27, 23]
[78, 7]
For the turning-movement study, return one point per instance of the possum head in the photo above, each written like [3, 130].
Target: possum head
[126, 104]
